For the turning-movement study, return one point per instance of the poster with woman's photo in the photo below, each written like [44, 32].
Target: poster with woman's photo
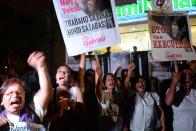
[87, 25]
[119, 60]
[159, 70]
[170, 36]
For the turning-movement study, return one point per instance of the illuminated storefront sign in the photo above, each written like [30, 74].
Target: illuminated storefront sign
[135, 12]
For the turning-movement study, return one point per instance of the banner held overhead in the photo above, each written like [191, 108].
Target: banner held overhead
[170, 36]
[87, 27]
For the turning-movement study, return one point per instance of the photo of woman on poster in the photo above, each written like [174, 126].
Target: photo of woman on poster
[96, 10]
[177, 30]
[93, 6]
[170, 36]
[89, 6]
[98, 7]
[180, 32]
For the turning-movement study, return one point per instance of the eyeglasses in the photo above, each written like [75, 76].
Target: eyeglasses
[11, 93]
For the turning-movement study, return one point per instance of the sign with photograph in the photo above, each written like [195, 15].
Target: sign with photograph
[87, 26]
[119, 60]
[170, 36]
[74, 63]
[159, 70]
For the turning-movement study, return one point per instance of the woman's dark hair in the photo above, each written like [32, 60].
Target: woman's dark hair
[122, 73]
[181, 93]
[182, 78]
[89, 79]
[136, 79]
[105, 76]
[181, 22]
[89, 73]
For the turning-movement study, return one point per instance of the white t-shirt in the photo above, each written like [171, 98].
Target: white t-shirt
[25, 125]
[38, 109]
[185, 114]
[144, 113]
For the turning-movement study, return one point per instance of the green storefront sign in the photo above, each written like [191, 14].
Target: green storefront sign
[136, 11]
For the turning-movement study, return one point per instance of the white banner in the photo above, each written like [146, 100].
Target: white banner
[23, 126]
[87, 26]
[170, 36]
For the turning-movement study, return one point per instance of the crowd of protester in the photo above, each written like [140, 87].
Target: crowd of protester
[88, 100]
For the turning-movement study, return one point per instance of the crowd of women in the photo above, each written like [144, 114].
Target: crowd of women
[88, 100]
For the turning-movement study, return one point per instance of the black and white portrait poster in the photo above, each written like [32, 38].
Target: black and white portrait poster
[87, 25]
[170, 36]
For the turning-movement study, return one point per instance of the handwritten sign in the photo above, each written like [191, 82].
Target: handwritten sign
[85, 29]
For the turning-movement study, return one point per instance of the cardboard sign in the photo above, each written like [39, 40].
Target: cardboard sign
[86, 27]
[170, 36]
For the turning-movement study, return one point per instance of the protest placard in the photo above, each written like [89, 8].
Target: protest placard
[23, 126]
[159, 70]
[87, 26]
[170, 36]
[121, 59]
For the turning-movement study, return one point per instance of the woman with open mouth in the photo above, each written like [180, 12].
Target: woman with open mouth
[181, 95]
[143, 108]
[16, 109]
